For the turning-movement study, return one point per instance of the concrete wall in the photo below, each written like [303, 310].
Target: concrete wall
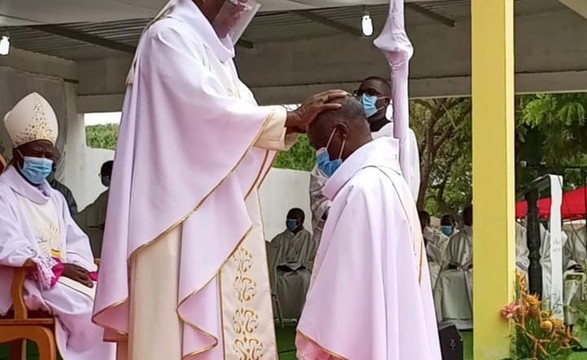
[551, 56]
[281, 191]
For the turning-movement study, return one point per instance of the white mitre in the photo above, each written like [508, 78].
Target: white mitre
[32, 118]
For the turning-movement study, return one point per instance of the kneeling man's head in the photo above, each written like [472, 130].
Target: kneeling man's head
[336, 134]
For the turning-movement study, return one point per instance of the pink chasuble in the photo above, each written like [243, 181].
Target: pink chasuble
[370, 296]
[186, 163]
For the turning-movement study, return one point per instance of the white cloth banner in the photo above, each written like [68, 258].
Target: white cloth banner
[556, 257]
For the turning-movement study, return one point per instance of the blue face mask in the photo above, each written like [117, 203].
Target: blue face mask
[446, 230]
[291, 224]
[36, 170]
[369, 103]
[325, 164]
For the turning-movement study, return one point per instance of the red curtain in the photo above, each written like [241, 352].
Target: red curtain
[573, 206]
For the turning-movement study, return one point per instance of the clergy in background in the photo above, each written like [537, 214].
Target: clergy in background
[453, 291]
[574, 261]
[370, 296]
[297, 250]
[460, 250]
[36, 228]
[436, 244]
[183, 242]
[93, 217]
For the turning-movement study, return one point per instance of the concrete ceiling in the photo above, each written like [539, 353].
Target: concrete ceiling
[579, 6]
[31, 12]
[93, 40]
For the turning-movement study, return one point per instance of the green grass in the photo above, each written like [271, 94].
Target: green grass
[32, 351]
[286, 345]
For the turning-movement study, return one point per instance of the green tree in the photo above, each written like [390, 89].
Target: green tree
[300, 157]
[551, 131]
[443, 130]
[102, 136]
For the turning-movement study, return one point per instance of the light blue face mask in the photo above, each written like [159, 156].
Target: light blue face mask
[291, 224]
[36, 170]
[446, 230]
[325, 164]
[369, 103]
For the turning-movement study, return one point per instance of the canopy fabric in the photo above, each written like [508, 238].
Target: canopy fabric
[573, 207]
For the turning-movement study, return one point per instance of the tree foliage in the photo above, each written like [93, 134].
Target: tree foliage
[443, 130]
[102, 136]
[300, 157]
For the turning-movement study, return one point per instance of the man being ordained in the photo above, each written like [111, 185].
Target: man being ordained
[370, 296]
[375, 94]
[184, 269]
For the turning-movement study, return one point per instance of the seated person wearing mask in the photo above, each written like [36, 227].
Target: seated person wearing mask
[93, 217]
[36, 229]
[370, 296]
[447, 225]
[296, 251]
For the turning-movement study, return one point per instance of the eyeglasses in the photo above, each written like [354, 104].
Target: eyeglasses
[370, 92]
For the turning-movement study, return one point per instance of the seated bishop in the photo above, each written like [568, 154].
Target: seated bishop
[36, 228]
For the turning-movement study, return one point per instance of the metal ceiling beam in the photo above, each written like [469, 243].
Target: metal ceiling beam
[306, 14]
[247, 44]
[109, 44]
[84, 37]
[431, 14]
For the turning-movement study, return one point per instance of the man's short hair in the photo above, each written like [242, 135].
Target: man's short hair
[424, 218]
[296, 213]
[106, 169]
[447, 220]
[351, 112]
[381, 80]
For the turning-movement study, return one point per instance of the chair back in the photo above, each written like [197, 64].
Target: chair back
[274, 250]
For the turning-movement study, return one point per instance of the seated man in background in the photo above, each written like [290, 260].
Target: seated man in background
[36, 228]
[296, 251]
[447, 225]
[436, 243]
[93, 217]
[370, 296]
[64, 190]
[453, 291]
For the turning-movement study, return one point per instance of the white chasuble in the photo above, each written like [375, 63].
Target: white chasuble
[243, 309]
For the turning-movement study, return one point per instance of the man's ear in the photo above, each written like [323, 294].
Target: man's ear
[342, 130]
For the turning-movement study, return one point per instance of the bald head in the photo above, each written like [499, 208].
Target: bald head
[347, 124]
